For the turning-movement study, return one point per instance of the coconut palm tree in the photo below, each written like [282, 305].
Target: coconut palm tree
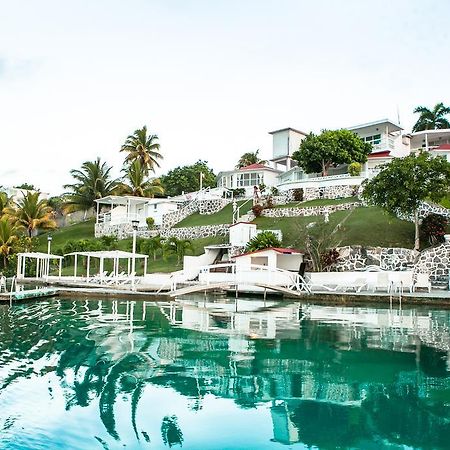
[92, 181]
[432, 119]
[143, 147]
[5, 201]
[152, 246]
[8, 238]
[135, 182]
[31, 214]
[250, 158]
[177, 247]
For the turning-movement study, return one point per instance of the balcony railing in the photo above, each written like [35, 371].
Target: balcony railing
[114, 219]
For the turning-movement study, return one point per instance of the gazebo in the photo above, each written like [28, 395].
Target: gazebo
[42, 263]
[115, 256]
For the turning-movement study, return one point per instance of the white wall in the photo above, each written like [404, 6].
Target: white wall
[280, 144]
[241, 233]
[192, 264]
[289, 262]
[157, 210]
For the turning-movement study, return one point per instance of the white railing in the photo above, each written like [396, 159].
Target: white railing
[253, 274]
[119, 218]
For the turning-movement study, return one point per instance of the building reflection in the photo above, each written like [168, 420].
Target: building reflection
[327, 374]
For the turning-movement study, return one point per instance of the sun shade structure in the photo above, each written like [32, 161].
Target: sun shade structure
[42, 263]
[114, 255]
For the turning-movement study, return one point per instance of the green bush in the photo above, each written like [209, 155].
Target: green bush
[238, 192]
[354, 169]
[265, 239]
[257, 210]
[298, 194]
[433, 228]
[150, 223]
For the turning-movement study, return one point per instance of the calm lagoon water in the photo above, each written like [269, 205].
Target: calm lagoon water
[197, 374]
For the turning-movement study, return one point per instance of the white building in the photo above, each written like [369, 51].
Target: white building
[126, 209]
[273, 258]
[248, 177]
[284, 143]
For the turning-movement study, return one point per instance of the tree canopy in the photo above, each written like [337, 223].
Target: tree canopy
[405, 183]
[135, 182]
[187, 178]
[432, 119]
[250, 158]
[142, 147]
[317, 153]
[92, 181]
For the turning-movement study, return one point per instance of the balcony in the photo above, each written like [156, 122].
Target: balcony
[117, 219]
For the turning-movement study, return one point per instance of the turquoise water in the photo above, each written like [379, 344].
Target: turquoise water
[197, 374]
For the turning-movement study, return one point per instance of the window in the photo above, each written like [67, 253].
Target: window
[374, 140]
[249, 179]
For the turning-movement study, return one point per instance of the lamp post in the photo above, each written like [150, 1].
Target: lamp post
[49, 245]
[135, 224]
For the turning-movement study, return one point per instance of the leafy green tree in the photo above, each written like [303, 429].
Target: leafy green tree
[317, 153]
[187, 178]
[265, 239]
[249, 158]
[405, 183]
[92, 181]
[135, 182]
[32, 214]
[432, 119]
[142, 147]
[8, 238]
[178, 247]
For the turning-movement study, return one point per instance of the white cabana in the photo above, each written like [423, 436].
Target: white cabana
[114, 255]
[42, 263]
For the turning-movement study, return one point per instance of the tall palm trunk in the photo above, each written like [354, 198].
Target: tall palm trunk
[417, 231]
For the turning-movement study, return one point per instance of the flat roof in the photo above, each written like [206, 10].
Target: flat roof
[288, 129]
[395, 126]
[108, 254]
[39, 255]
[124, 199]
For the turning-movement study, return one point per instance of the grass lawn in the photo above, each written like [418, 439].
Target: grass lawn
[364, 226]
[225, 215]
[82, 230]
[445, 202]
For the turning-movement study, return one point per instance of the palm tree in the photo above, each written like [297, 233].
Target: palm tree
[8, 238]
[136, 182]
[143, 147]
[432, 119]
[250, 158]
[152, 246]
[5, 201]
[92, 181]
[177, 247]
[32, 214]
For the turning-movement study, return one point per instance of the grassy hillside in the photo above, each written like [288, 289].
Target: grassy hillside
[364, 226]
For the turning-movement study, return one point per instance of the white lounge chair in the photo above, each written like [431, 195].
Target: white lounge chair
[383, 283]
[3, 284]
[404, 281]
[422, 282]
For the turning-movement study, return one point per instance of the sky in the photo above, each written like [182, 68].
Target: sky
[210, 77]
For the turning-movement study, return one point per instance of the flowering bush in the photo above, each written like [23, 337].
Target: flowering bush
[433, 228]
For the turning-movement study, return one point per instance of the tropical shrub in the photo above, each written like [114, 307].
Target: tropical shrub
[354, 169]
[109, 242]
[257, 210]
[238, 192]
[150, 223]
[178, 247]
[329, 258]
[298, 194]
[265, 239]
[274, 191]
[268, 202]
[152, 246]
[433, 228]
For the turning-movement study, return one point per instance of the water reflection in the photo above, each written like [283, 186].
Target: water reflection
[200, 373]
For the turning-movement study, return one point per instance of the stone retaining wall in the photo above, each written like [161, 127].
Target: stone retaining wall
[357, 257]
[196, 232]
[308, 211]
[330, 192]
[122, 231]
[436, 262]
